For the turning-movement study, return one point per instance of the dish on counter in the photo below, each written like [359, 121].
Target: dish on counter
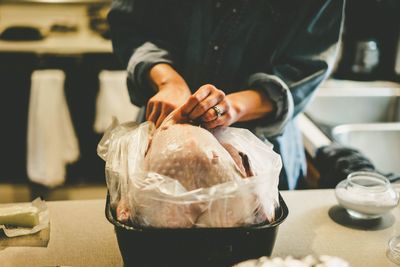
[366, 195]
[22, 33]
[394, 249]
[149, 246]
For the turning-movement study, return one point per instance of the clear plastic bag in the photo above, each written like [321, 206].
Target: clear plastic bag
[182, 176]
[122, 148]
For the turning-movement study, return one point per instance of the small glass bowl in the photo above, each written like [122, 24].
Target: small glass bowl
[366, 195]
[394, 249]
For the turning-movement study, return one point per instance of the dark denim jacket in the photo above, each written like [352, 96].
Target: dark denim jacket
[284, 47]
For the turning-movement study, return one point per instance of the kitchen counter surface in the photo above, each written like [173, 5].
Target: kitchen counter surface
[310, 230]
[42, 16]
[64, 44]
[80, 235]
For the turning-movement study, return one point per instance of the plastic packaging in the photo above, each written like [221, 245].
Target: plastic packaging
[182, 176]
[44, 220]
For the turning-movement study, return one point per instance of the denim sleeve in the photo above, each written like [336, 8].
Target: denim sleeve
[139, 42]
[303, 59]
[139, 65]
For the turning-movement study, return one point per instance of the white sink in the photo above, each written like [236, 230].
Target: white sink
[380, 142]
[361, 115]
[335, 106]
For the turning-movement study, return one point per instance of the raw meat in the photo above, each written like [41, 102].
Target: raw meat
[191, 155]
[195, 158]
[189, 177]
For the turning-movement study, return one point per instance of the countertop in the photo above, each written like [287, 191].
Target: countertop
[310, 230]
[64, 44]
[80, 235]
[43, 16]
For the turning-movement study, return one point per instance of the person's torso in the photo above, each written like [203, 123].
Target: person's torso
[224, 42]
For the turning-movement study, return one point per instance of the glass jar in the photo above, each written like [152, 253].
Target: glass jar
[366, 195]
[394, 249]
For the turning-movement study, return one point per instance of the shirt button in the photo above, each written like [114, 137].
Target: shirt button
[218, 4]
[234, 10]
[216, 47]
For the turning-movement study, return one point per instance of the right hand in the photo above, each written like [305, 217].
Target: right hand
[168, 98]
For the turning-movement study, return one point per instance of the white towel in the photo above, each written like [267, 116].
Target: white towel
[52, 142]
[113, 100]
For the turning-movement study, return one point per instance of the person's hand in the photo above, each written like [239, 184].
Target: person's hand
[164, 102]
[211, 106]
[214, 108]
[172, 92]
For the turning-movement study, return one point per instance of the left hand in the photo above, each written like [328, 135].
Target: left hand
[168, 98]
[200, 106]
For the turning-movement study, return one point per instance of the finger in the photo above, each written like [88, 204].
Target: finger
[155, 112]
[220, 121]
[177, 116]
[149, 108]
[160, 119]
[165, 111]
[211, 114]
[212, 100]
[196, 98]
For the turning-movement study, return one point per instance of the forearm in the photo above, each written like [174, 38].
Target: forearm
[251, 104]
[164, 75]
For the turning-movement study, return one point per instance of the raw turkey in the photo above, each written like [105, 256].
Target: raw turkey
[193, 156]
[196, 159]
